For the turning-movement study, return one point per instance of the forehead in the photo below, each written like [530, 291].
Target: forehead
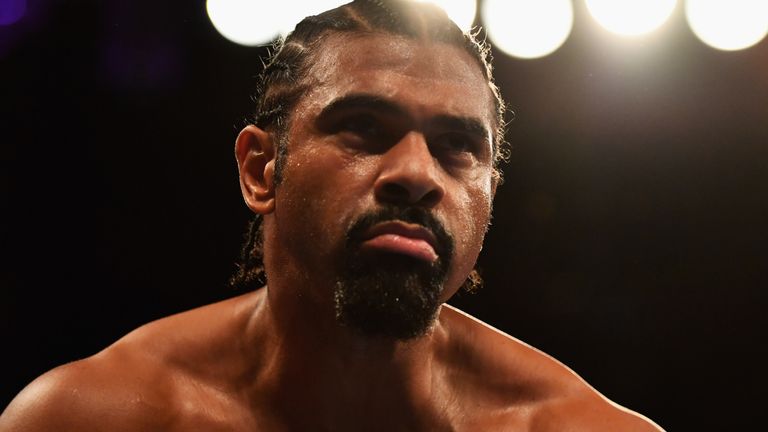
[425, 77]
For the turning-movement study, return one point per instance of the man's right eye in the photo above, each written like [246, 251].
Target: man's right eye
[364, 125]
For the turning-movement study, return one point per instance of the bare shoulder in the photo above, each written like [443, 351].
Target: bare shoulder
[587, 410]
[527, 388]
[108, 391]
[134, 384]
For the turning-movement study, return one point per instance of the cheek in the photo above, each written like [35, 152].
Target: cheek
[474, 227]
[475, 210]
[472, 215]
[318, 198]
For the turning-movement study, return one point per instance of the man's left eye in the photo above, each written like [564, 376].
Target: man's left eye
[454, 143]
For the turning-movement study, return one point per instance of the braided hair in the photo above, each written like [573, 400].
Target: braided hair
[284, 80]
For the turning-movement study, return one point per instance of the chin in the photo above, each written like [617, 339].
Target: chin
[390, 297]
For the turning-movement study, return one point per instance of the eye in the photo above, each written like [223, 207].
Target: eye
[365, 132]
[363, 125]
[455, 143]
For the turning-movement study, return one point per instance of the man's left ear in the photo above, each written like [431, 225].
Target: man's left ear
[255, 153]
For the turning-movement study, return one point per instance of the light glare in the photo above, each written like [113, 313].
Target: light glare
[525, 28]
[257, 22]
[243, 21]
[293, 11]
[462, 12]
[11, 11]
[728, 25]
[631, 17]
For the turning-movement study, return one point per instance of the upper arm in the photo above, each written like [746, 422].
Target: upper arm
[614, 418]
[80, 396]
[54, 401]
[591, 412]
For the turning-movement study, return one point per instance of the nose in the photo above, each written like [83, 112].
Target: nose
[409, 174]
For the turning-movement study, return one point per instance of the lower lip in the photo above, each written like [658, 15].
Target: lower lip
[416, 248]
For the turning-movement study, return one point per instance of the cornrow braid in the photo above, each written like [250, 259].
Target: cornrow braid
[250, 268]
[283, 81]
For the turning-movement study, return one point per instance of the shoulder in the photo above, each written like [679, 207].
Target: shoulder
[587, 410]
[104, 392]
[527, 386]
[138, 383]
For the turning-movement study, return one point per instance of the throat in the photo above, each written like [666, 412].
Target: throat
[344, 380]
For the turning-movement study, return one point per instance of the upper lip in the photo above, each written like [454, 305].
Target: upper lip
[404, 229]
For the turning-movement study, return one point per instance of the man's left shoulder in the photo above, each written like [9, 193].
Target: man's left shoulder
[528, 385]
[587, 410]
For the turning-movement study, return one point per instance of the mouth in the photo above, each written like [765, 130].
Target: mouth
[401, 238]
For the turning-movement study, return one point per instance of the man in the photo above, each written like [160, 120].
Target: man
[371, 164]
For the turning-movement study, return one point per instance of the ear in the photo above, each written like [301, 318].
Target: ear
[255, 153]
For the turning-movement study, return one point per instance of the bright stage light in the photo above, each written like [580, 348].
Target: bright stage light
[728, 25]
[257, 22]
[631, 17]
[528, 28]
[245, 22]
[462, 12]
[294, 11]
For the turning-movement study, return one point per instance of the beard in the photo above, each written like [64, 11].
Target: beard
[387, 294]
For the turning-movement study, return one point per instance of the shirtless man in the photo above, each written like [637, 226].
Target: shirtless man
[372, 166]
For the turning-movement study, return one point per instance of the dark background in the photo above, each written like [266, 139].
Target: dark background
[629, 239]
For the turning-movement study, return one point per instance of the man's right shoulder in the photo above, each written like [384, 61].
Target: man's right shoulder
[109, 391]
[134, 384]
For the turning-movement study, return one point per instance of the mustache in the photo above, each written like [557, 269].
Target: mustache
[413, 215]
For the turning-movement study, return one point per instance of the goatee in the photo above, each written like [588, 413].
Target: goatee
[387, 294]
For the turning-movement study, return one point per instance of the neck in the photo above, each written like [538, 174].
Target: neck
[336, 376]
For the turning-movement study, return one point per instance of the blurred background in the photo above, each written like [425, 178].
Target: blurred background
[629, 240]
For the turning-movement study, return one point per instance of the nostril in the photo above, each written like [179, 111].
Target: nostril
[394, 192]
[431, 198]
[400, 193]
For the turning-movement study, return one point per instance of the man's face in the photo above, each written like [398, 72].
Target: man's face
[388, 182]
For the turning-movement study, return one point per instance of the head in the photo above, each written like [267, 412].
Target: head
[316, 77]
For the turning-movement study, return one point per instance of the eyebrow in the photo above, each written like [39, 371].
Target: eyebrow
[470, 125]
[362, 101]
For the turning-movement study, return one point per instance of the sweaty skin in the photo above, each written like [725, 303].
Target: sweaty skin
[276, 359]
